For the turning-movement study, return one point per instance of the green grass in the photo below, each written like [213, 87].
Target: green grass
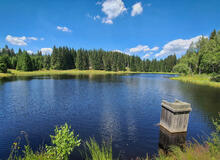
[64, 141]
[96, 152]
[2, 75]
[202, 79]
[194, 151]
[12, 72]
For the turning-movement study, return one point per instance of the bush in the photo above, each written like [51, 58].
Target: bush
[181, 68]
[63, 142]
[215, 78]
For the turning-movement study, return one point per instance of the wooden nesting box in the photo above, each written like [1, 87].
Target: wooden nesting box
[175, 116]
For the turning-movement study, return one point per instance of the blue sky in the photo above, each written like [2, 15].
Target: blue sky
[147, 28]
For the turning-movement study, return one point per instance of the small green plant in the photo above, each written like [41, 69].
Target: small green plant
[64, 141]
[96, 152]
[214, 142]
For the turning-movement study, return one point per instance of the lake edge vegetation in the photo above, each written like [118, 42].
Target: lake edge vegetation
[16, 73]
[199, 79]
[202, 57]
[201, 63]
[65, 141]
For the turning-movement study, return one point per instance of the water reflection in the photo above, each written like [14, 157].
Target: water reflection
[88, 77]
[168, 139]
[124, 108]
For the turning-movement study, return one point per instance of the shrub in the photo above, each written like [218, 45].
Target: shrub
[215, 78]
[63, 142]
[181, 68]
[214, 142]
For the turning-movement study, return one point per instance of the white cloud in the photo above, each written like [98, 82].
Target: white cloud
[30, 52]
[136, 9]
[178, 46]
[146, 56]
[98, 3]
[155, 49]
[96, 17]
[112, 9]
[19, 41]
[64, 29]
[42, 39]
[46, 50]
[141, 48]
[117, 50]
[32, 38]
[107, 21]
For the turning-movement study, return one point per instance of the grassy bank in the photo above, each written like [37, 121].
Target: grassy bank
[66, 141]
[12, 72]
[202, 79]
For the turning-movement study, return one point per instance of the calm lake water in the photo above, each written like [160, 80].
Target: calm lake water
[124, 108]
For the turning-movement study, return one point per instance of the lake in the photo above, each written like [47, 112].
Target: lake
[124, 108]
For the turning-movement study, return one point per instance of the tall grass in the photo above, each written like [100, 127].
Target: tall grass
[202, 79]
[64, 142]
[96, 152]
[209, 150]
[12, 72]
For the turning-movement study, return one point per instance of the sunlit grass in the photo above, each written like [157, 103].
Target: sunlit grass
[98, 152]
[64, 142]
[202, 79]
[194, 151]
[12, 72]
[5, 75]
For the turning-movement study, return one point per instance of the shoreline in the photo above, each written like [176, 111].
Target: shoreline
[203, 79]
[15, 73]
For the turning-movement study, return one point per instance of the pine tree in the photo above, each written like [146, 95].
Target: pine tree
[3, 65]
[24, 62]
[79, 60]
[213, 35]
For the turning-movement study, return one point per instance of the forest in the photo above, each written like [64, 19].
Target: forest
[63, 58]
[201, 57]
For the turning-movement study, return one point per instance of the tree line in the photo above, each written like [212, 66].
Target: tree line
[63, 58]
[201, 57]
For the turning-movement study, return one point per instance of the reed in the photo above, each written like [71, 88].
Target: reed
[202, 79]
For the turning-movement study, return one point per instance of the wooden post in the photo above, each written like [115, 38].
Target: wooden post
[175, 116]
[168, 139]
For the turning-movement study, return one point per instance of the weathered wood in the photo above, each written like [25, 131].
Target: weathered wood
[168, 139]
[175, 116]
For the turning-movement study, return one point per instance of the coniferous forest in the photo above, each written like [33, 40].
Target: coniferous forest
[201, 57]
[64, 58]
